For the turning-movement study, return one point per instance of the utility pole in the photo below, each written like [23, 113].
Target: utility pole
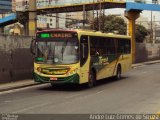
[93, 15]
[100, 15]
[32, 18]
[57, 16]
[84, 16]
[151, 36]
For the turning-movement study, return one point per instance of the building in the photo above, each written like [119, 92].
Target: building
[22, 5]
[76, 19]
[5, 6]
[14, 29]
[14, 5]
[51, 20]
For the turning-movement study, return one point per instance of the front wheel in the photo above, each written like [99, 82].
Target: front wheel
[119, 73]
[52, 84]
[92, 79]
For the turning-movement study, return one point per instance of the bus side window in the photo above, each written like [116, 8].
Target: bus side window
[124, 46]
[128, 46]
[83, 50]
[110, 46]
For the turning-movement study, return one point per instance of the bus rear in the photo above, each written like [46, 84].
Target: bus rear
[56, 57]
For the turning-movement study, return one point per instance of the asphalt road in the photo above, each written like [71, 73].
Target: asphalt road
[137, 92]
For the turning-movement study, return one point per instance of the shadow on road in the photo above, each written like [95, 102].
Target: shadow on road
[74, 87]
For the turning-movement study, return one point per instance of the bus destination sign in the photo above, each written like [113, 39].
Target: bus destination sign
[55, 35]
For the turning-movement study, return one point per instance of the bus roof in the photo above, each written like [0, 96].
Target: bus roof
[87, 32]
[98, 33]
[51, 30]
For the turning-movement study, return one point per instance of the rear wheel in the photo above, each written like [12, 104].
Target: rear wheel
[119, 73]
[92, 79]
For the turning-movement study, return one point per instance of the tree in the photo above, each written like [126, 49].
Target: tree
[113, 23]
[110, 23]
[141, 33]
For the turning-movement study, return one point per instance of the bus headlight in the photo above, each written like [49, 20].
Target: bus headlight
[72, 72]
[39, 69]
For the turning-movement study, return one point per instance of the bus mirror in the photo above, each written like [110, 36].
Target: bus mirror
[32, 47]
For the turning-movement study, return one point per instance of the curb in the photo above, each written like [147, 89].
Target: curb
[145, 63]
[16, 85]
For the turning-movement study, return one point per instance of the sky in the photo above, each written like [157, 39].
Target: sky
[155, 14]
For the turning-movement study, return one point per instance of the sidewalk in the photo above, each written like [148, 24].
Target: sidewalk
[26, 83]
[145, 63]
[17, 84]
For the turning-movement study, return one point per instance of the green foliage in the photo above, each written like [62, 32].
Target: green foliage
[141, 33]
[111, 23]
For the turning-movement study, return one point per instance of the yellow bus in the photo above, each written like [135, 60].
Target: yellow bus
[79, 56]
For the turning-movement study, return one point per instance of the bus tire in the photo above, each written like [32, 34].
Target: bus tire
[52, 84]
[92, 79]
[119, 73]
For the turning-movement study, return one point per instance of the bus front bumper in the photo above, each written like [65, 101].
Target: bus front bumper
[73, 79]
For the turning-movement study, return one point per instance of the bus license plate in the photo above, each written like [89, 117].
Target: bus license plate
[53, 78]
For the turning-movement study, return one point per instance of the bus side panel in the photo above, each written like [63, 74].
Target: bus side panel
[84, 58]
[104, 65]
[125, 58]
[127, 62]
[105, 72]
[84, 72]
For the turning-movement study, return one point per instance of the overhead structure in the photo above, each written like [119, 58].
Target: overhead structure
[10, 19]
[79, 7]
[132, 13]
[130, 6]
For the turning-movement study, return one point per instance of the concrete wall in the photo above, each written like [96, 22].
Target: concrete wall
[16, 61]
[147, 52]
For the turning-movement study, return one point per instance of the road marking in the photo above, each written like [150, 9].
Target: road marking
[75, 95]
[80, 95]
[134, 67]
[29, 108]
[144, 72]
[41, 105]
[7, 101]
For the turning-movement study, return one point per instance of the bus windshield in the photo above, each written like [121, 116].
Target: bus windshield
[57, 51]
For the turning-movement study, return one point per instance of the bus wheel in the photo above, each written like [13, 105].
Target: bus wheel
[119, 73]
[52, 85]
[92, 79]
